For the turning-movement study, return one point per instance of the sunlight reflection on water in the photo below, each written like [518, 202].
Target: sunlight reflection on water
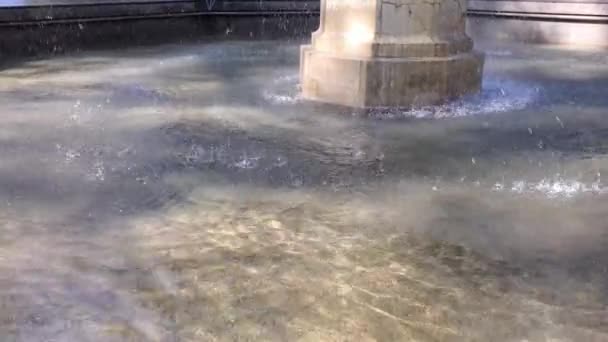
[203, 200]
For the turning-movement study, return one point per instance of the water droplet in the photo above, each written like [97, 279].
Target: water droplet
[540, 144]
[498, 187]
[280, 162]
[70, 155]
[247, 162]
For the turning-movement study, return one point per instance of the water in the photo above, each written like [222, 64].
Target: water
[186, 193]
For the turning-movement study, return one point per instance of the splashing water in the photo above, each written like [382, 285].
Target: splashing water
[164, 206]
[285, 90]
[247, 162]
[553, 188]
[497, 96]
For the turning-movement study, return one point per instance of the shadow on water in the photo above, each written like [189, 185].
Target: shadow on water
[185, 193]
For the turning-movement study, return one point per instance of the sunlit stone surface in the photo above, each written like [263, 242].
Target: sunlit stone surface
[184, 193]
[373, 53]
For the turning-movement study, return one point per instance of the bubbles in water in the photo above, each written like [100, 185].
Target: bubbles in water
[553, 188]
[499, 187]
[297, 181]
[517, 186]
[280, 161]
[199, 154]
[284, 90]
[98, 172]
[247, 162]
[125, 152]
[280, 99]
[497, 96]
[71, 154]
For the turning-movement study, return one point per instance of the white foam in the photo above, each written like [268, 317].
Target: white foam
[280, 99]
[553, 188]
[284, 90]
[497, 96]
[247, 162]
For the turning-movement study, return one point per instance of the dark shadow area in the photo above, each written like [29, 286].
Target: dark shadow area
[52, 39]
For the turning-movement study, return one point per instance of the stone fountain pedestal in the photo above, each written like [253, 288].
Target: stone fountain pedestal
[390, 53]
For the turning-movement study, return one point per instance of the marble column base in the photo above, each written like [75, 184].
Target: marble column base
[388, 82]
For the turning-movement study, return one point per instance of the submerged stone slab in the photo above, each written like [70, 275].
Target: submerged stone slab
[398, 53]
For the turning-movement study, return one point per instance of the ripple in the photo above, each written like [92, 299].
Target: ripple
[553, 187]
[247, 162]
[284, 90]
[497, 96]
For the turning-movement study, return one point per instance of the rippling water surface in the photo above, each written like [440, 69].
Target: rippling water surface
[186, 193]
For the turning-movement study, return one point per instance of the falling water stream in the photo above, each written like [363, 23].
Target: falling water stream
[186, 193]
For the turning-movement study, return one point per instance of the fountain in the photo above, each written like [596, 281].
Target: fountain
[399, 53]
[185, 192]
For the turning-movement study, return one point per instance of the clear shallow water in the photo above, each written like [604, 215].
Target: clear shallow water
[185, 193]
